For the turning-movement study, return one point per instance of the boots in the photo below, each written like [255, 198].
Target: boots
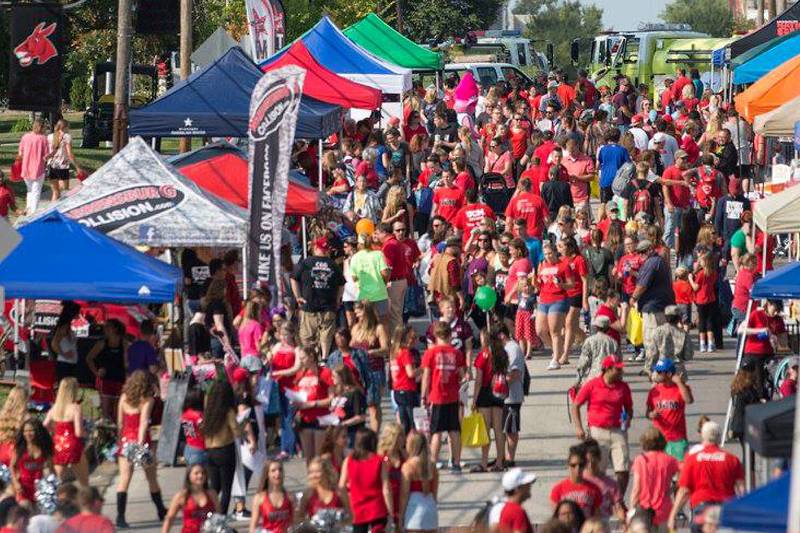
[122, 503]
[159, 503]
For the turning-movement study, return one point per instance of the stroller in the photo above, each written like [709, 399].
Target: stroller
[494, 191]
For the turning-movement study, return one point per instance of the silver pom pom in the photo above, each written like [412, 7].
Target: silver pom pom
[46, 494]
[5, 474]
[215, 523]
[137, 454]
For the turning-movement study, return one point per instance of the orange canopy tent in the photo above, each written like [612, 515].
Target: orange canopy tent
[773, 90]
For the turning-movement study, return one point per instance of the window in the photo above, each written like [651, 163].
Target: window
[511, 73]
[631, 52]
[487, 76]
[521, 49]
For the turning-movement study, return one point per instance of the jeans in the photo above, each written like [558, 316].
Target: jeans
[672, 222]
[288, 438]
[221, 467]
[194, 456]
[406, 402]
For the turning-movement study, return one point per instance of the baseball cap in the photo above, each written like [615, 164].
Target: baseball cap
[659, 138]
[240, 375]
[601, 321]
[322, 244]
[552, 85]
[664, 366]
[636, 119]
[611, 362]
[644, 245]
[251, 363]
[516, 478]
[680, 154]
[672, 310]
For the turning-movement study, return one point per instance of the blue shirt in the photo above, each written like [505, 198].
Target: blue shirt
[535, 253]
[141, 356]
[379, 168]
[610, 158]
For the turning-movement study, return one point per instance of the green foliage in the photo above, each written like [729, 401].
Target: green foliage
[560, 22]
[441, 19]
[22, 125]
[713, 17]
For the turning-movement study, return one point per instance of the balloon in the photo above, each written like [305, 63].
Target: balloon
[365, 226]
[485, 298]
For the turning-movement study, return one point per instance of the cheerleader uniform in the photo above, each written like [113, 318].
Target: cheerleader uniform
[130, 431]
[315, 504]
[68, 448]
[276, 520]
[6, 452]
[30, 471]
[194, 515]
[523, 323]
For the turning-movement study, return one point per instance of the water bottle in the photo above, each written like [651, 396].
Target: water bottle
[623, 420]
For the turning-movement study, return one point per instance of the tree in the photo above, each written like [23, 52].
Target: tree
[440, 19]
[561, 22]
[713, 17]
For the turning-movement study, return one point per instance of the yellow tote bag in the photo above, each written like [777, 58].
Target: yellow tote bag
[634, 326]
[473, 431]
[594, 186]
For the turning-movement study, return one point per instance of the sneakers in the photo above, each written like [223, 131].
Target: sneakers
[455, 469]
[553, 365]
[640, 357]
[122, 524]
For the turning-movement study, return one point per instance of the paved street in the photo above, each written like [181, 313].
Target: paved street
[546, 435]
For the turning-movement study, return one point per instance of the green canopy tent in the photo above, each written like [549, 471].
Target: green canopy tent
[380, 39]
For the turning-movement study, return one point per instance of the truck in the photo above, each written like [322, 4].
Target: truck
[649, 54]
[503, 46]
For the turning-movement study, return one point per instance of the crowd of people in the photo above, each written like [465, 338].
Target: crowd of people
[328, 366]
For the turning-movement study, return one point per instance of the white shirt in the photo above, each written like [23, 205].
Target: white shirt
[640, 138]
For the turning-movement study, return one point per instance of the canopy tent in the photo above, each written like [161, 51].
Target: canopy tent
[771, 91]
[213, 48]
[783, 282]
[770, 426]
[377, 37]
[215, 102]
[764, 509]
[337, 53]
[222, 169]
[52, 262]
[138, 198]
[779, 213]
[785, 23]
[772, 57]
[760, 49]
[327, 86]
[780, 121]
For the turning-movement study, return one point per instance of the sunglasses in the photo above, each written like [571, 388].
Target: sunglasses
[400, 230]
[577, 465]
[483, 240]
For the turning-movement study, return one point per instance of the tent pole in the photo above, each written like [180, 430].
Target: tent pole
[740, 337]
[245, 284]
[305, 237]
[764, 256]
[319, 166]
[16, 333]
[793, 525]
[748, 467]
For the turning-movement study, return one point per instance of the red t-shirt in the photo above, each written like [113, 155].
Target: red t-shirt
[191, 422]
[745, 280]
[710, 475]
[400, 379]
[606, 402]
[464, 181]
[547, 275]
[688, 145]
[544, 150]
[315, 387]
[444, 363]
[424, 177]
[532, 208]
[6, 200]
[81, 523]
[627, 268]
[577, 268]
[670, 408]
[514, 518]
[683, 291]
[519, 142]
[706, 189]
[365, 168]
[470, 217]
[788, 387]
[448, 200]
[483, 362]
[706, 287]
[408, 132]
[395, 255]
[753, 344]
[585, 494]
[678, 194]
[604, 310]
[519, 269]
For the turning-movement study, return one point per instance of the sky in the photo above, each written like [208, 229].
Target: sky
[627, 14]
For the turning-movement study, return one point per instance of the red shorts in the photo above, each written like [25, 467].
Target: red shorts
[107, 387]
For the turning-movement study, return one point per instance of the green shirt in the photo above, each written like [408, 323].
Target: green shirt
[366, 267]
[739, 241]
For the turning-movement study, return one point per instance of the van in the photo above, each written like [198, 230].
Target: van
[488, 74]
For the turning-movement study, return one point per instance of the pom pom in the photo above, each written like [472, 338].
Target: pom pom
[46, 494]
[215, 523]
[138, 454]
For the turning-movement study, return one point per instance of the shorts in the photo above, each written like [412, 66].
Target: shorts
[705, 316]
[614, 443]
[677, 448]
[58, 174]
[381, 307]
[486, 398]
[194, 456]
[575, 301]
[377, 382]
[302, 424]
[511, 418]
[686, 312]
[107, 387]
[560, 306]
[349, 306]
[606, 194]
[317, 327]
[444, 418]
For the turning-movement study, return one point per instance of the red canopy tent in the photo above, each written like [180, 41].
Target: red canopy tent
[325, 85]
[226, 176]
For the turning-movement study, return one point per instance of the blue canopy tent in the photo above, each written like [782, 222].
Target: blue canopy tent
[215, 102]
[781, 283]
[83, 264]
[752, 70]
[764, 509]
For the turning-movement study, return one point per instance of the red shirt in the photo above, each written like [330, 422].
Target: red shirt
[483, 362]
[585, 494]
[464, 181]
[606, 402]
[408, 132]
[677, 87]
[365, 168]
[6, 201]
[519, 141]
[315, 388]
[445, 364]
[627, 268]
[191, 421]
[577, 268]
[514, 518]
[424, 177]
[710, 475]
[753, 344]
[683, 291]
[604, 310]
[400, 379]
[543, 151]
[706, 287]
[547, 276]
[366, 489]
[759, 246]
[532, 208]
[470, 216]
[518, 270]
[745, 280]
[670, 408]
[678, 194]
[706, 189]
[448, 200]
[82, 522]
[566, 93]
[412, 253]
[395, 255]
[688, 145]
[788, 387]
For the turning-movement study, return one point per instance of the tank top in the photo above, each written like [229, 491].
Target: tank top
[112, 359]
[194, 515]
[130, 429]
[276, 520]
[374, 362]
[283, 360]
[366, 489]
[316, 504]
[30, 470]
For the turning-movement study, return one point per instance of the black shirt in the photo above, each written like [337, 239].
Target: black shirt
[448, 134]
[630, 194]
[195, 270]
[218, 307]
[656, 278]
[199, 339]
[319, 279]
[556, 193]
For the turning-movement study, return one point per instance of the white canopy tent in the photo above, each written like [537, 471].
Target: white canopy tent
[780, 121]
[779, 213]
[140, 199]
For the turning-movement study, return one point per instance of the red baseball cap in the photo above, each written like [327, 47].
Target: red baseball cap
[240, 375]
[611, 362]
[667, 117]
[322, 244]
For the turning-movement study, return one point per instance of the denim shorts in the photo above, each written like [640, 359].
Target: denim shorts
[561, 306]
[194, 456]
[377, 381]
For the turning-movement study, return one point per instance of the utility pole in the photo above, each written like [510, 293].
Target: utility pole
[399, 7]
[186, 52]
[121, 82]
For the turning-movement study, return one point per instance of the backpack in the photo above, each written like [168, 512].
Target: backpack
[623, 176]
[424, 200]
[642, 200]
[499, 386]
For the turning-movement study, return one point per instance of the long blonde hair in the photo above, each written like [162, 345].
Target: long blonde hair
[390, 436]
[418, 447]
[395, 201]
[67, 395]
[329, 476]
[58, 133]
[13, 413]
[367, 326]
